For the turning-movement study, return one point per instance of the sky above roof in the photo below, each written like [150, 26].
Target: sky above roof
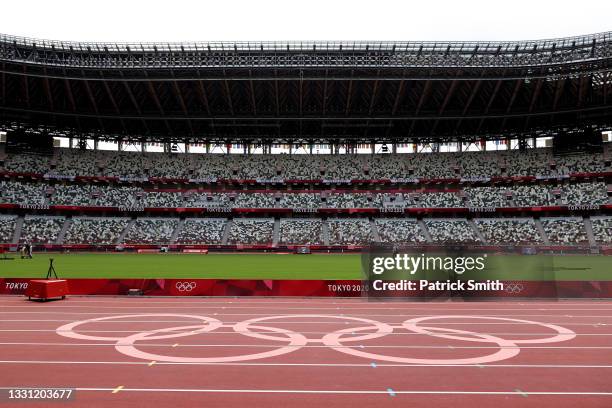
[267, 20]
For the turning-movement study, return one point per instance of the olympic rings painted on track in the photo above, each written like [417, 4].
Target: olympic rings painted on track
[67, 330]
[127, 347]
[293, 341]
[507, 350]
[563, 334]
[382, 328]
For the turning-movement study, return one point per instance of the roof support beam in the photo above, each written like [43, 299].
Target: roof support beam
[489, 104]
[153, 93]
[423, 97]
[179, 96]
[398, 97]
[395, 107]
[203, 95]
[558, 92]
[447, 98]
[94, 104]
[517, 87]
[534, 100]
[468, 103]
[26, 88]
[348, 97]
[373, 98]
[70, 95]
[342, 117]
[48, 92]
[3, 83]
[582, 91]
[252, 94]
[228, 95]
[111, 98]
[276, 101]
[420, 104]
[607, 78]
[325, 94]
[135, 103]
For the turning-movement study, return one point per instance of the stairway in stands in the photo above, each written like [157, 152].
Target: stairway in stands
[226, 232]
[125, 231]
[588, 226]
[18, 229]
[276, 233]
[540, 228]
[477, 231]
[375, 234]
[325, 232]
[177, 231]
[425, 231]
[60, 237]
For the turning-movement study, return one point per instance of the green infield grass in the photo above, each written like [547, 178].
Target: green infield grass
[285, 266]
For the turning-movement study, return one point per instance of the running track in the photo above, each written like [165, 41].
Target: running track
[218, 352]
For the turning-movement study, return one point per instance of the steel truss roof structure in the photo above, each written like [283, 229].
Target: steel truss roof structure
[307, 91]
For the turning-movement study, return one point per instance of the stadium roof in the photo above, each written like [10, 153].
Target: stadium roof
[275, 91]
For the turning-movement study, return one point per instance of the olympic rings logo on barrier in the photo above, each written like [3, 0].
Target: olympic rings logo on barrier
[291, 341]
[513, 288]
[186, 286]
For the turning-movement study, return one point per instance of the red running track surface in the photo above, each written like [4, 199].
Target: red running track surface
[212, 352]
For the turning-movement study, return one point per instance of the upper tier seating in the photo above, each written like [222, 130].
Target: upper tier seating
[531, 162]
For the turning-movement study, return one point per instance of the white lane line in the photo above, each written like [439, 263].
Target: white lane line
[471, 324]
[370, 307]
[302, 332]
[431, 312]
[521, 393]
[113, 344]
[354, 365]
[345, 392]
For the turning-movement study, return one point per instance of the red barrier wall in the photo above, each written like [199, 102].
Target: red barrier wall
[331, 288]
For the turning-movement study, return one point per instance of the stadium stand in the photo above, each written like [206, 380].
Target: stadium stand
[7, 228]
[151, 231]
[451, 231]
[399, 231]
[41, 230]
[431, 200]
[202, 231]
[22, 193]
[486, 196]
[566, 231]
[526, 196]
[350, 231]
[251, 231]
[602, 229]
[509, 231]
[95, 231]
[301, 231]
[532, 162]
[586, 194]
